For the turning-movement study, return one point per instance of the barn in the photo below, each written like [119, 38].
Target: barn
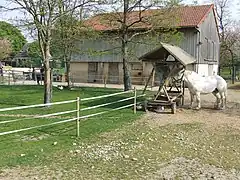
[200, 38]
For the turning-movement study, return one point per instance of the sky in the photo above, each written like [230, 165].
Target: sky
[8, 16]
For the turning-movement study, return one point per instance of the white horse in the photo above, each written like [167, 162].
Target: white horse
[204, 85]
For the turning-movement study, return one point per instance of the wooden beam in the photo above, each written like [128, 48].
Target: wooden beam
[145, 88]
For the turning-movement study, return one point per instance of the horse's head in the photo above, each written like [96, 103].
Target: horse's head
[185, 73]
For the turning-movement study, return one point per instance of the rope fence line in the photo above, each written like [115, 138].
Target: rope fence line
[37, 105]
[103, 112]
[77, 110]
[36, 127]
[36, 117]
[103, 96]
[106, 104]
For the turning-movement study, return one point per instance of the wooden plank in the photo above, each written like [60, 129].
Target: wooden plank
[160, 104]
[145, 88]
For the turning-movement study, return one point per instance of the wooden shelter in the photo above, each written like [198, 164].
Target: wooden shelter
[166, 68]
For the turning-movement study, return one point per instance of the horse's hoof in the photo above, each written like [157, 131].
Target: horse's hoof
[198, 108]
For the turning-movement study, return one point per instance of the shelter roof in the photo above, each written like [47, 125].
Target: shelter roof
[161, 53]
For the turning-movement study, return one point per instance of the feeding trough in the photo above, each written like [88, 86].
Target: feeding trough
[167, 61]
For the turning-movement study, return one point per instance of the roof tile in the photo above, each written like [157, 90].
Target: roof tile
[187, 16]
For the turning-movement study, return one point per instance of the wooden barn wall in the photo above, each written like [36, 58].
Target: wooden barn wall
[210, 45]
[109, 50]
[189, 41]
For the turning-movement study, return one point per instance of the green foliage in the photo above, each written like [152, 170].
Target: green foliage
[13, 34]
[170, 3]
[68, 30]
[35, 53]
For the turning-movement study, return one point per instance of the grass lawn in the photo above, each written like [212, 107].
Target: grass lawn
[36, 147]
[119, 145]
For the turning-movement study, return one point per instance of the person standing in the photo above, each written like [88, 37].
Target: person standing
[33, 74]
[1, 68]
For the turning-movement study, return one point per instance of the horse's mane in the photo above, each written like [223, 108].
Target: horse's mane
[191, 74]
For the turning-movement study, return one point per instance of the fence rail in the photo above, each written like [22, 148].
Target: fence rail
[13, 77]
[77, 110]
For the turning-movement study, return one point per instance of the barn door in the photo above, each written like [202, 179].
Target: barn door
[92, 71]
[113, 73]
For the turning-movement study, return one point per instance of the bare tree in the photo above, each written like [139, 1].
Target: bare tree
[224, 20]
[42, 15]
[230, 47]
[229, 34]
[223, 15]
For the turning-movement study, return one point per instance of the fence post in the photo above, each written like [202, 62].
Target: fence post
[9, 77]
[135, 101]
[77, 114]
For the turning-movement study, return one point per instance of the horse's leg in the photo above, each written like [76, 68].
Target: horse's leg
[198, 100]
[223, 98]
[192, 99]
[218, 100]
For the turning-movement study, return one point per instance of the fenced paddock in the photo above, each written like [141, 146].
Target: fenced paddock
[37, 121]
[190, 145]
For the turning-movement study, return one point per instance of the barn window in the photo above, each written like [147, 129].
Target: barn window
[207, 48]
[137, 67]
[93, 66]
[213, 51]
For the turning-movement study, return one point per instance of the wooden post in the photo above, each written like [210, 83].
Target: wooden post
[135, 101]
[153, 79]
[105, 80]
[78, 114]
[183, 92]
[145, 88]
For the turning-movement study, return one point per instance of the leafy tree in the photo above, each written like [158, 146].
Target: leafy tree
[13, 35]
[67, 32]
[35, 54]
[128, 15]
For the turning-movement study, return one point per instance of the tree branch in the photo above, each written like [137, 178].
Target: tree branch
[140, 33]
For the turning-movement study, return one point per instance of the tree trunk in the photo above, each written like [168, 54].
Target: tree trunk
[68, 73]
[47, 76]
[233, 72]
[126, 69]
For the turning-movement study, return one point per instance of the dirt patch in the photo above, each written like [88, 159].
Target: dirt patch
[207, 115]
[182, 168]
[30, 173]
[235, 87]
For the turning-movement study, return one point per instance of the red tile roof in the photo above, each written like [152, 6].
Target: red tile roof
[185, 16]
